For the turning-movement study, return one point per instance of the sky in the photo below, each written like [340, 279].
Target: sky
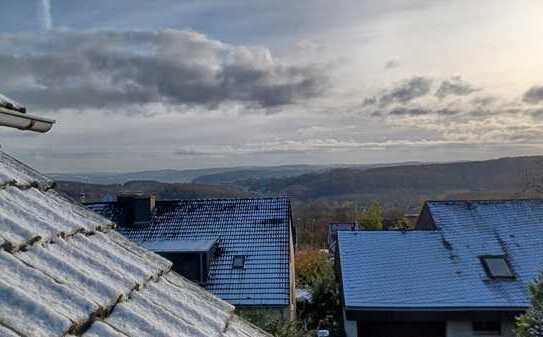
[141, 84]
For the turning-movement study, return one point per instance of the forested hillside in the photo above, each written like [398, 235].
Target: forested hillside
[507, 175]
[96, 192]
[342, 194]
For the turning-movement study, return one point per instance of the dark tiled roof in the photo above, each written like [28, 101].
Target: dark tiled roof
[257, 228]
[65, 271]
[442, 267]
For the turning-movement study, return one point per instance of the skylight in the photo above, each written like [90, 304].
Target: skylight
[238, 262]
[497, 267]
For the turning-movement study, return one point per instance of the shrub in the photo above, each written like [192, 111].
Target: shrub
[274, 324]
[311, 265]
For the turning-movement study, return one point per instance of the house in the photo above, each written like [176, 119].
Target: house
[463, 271]
[65, 271]
[333, 228]
[241, 250]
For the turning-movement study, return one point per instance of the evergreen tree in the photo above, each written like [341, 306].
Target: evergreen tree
[372, 218]
[531, 323]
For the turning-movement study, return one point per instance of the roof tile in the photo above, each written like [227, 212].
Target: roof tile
[65, 272]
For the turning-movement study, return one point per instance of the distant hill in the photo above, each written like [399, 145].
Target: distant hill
[226, 175]
[96, 192]
[506, 176]
[164, 176]
[229, 177]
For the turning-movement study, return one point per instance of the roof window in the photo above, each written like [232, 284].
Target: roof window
[497, 267]
[238, 262]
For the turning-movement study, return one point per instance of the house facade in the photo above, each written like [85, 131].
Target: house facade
[241, 250]
[464, 271]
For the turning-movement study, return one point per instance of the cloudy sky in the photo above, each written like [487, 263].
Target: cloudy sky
[140, 84]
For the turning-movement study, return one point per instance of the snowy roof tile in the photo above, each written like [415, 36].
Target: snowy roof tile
[257, 228]
[66, 272]
[441, 267]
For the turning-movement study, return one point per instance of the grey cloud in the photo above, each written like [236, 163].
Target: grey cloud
[185, 152]
[447, 112]
[391, 64]
[454, 87]
[422, 111]
[105, 69]
[369, 101]
[408, 111]
[415, 111]
[534, 95]
[406, 91]
[484, 101]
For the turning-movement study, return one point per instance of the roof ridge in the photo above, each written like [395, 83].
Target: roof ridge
[355, 232]
[484, 200]
[23, 187]
[226, 199]
[195, 200]
[37, 179]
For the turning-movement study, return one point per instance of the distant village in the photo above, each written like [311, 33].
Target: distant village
[140, 266]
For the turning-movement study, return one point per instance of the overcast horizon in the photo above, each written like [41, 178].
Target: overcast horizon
[143, 85]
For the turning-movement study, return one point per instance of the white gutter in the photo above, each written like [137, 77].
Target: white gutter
[23, 121]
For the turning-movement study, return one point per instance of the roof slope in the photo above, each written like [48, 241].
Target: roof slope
[441, 268]
[65, 272]
[256, 228]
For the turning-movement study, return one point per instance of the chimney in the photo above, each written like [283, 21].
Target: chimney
[137, 208]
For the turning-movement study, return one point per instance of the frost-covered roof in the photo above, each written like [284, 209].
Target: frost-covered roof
[66, 272]
[441, 267]
[257, 228]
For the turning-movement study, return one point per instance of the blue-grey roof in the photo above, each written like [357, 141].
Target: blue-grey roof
[441, 268]
[257, 228]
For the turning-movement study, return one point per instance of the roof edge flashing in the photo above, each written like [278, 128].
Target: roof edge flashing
[423, 308]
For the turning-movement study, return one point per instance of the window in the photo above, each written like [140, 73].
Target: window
[487, 328]
[238, 262]
[497, 267]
